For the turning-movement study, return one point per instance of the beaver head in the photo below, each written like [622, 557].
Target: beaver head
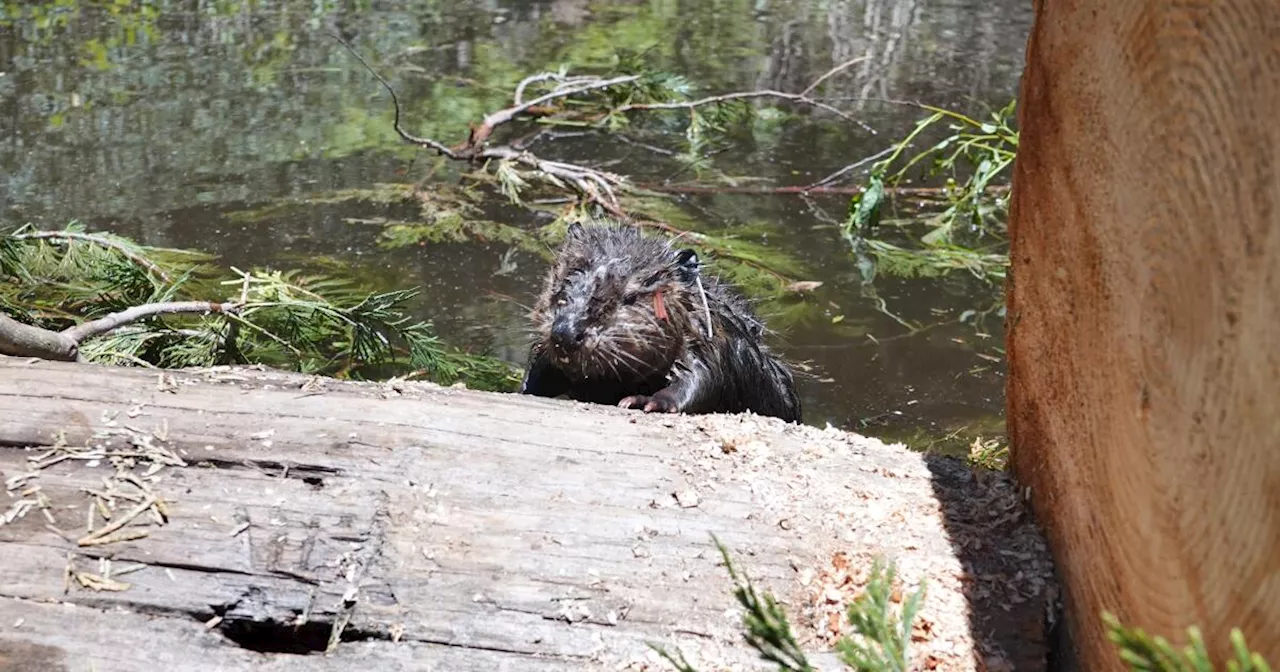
[616, 303]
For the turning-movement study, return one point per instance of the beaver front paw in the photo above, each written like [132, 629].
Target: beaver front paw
[658, 403]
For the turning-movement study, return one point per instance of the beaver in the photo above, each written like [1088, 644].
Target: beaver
[628, 319]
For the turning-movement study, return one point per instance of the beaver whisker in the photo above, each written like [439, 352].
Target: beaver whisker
[619, 356]
[632, 337]
[705, 307]
[612, 364]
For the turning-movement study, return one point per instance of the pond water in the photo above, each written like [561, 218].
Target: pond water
[162, 120]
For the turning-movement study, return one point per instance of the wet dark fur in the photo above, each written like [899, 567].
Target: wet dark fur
[599, 338]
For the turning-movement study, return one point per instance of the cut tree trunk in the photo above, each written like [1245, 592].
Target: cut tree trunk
[408, 526]
[1144, 379]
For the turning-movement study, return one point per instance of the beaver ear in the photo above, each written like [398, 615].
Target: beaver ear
[574, 231]
[687, 263]
[687, 259]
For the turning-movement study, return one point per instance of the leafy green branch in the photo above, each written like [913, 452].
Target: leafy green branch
[975, 158]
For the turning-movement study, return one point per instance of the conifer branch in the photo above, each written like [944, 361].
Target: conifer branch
[286, 319]
[101, 241]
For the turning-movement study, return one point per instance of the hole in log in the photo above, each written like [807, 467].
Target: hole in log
[273, 636]
[313, 481]
[276, 637]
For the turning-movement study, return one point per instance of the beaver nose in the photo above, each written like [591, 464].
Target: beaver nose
[567, 335]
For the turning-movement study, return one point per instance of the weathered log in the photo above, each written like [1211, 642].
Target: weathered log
[464, 530]
[1144, 375]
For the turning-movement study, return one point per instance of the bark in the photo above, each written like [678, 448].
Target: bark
[23, 340]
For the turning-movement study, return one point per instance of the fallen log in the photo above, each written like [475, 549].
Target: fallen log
[235, 517]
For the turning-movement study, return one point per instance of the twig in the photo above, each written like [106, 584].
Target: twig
[24, 340]
[807, 189]
[853, 166]
[746, 95]
[100, 241]
[827, 75]
[532, 79]
[482, 132]
[405, 135]
[102, 325]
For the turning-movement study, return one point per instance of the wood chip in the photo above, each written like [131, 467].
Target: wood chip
[687, 498]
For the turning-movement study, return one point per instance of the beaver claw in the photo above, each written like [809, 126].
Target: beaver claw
[658, 403]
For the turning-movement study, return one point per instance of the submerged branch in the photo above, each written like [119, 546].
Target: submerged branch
[592, 184]
[800, 189]
[853, 166]
[746, 95]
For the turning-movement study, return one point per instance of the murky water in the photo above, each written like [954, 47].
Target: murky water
[161, 119]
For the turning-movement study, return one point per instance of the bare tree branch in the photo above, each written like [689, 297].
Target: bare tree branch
[531, 79]
[96, 240]
[746, 95]
[102, 325]
[485, 129]
[853, 166]
[24, 340]
[595, 185]
[408, 137]
[827, 75]
[471, 148]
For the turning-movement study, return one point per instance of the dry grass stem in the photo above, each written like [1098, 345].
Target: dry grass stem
[95, 537]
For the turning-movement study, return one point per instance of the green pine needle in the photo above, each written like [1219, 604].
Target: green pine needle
[1144, 653]
[883, 639]
[289, 319]
[879, 645]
